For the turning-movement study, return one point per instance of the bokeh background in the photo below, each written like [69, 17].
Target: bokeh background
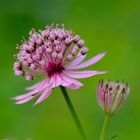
[112, 26]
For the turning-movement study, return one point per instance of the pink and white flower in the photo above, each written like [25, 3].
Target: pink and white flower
[58, 55]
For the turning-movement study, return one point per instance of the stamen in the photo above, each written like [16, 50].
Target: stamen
[19, 73]
[74, 51]
[68, 42]
[17, 66]
[29, 77]
[76, 38]
[81, 43]
[33, 66]
[84, 51]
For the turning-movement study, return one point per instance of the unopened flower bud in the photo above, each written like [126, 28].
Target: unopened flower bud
[112, 95]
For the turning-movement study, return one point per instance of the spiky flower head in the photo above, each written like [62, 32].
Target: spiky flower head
[112, 95]
[53, 53]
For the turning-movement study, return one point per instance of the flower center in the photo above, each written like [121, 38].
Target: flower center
[53, 68]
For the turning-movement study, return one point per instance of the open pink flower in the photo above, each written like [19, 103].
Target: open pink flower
[54, 53]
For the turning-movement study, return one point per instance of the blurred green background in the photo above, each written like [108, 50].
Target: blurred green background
[112, 26]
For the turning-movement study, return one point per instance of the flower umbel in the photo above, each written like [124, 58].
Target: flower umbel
[112, 95]
[54, 53]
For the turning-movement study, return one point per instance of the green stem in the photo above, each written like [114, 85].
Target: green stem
[71, 108]
[103, 131]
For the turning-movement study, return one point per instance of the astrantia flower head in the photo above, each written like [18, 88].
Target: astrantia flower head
[54, 53]
[112, 95]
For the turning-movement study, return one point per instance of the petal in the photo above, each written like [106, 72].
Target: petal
[75, 85]
[24, 96]
[82, 74]
[42, 86]
[64, 81]
[56, 80]
[70, 83]
[24, 100]
[38, 85]
[43, 96]
[76, 61]
[34, 86]
[88, 62]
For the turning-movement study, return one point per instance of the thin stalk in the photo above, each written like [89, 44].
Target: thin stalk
[104, 127]
[71, 108]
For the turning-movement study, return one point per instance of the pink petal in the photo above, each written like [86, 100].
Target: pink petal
[24, 96]
[24, 100]
[56, 80]
[64, 81]
[34, 86]
[29, 96]
[88, 62]
[43, 96]
[38, 85]
[70, 83]
[77, 61]
[74, 86]
[42, 86]
[82, 74]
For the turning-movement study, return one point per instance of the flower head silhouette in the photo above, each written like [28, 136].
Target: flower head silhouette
[54, 53]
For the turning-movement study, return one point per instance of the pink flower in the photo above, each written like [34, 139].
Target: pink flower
[54, 53]
[112, 95]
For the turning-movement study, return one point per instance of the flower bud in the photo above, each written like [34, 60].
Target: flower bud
[112, 95]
